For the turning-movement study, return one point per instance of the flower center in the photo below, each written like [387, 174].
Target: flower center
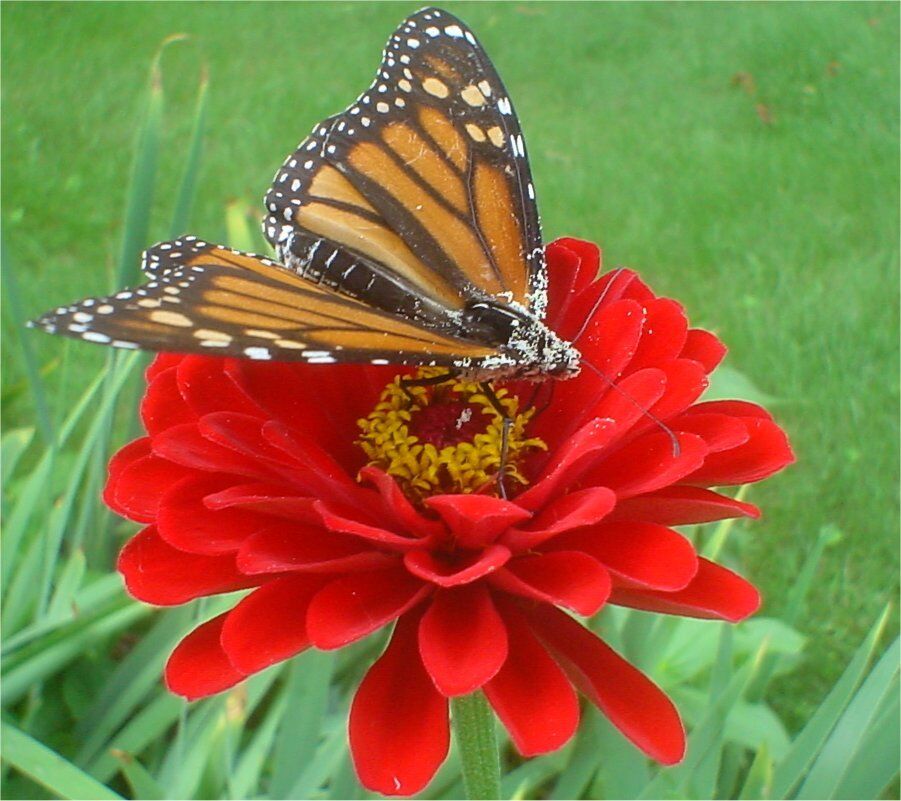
[446, 437]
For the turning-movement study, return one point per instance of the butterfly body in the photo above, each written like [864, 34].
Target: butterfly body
[405, 231]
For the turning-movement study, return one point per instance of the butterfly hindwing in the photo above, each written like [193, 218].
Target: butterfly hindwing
[424, 179]
[208, 299]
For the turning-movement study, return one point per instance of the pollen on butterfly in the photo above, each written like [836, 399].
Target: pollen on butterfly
[445, 438]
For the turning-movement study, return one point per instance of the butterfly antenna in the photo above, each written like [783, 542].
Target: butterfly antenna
[597, 304]
[677, 449]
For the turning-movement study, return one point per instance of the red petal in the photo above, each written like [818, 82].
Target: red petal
[581, 508]
[663, 336]
[682, 506]
[457, 571]
[340, 519]
[589, 260]
[477, 520]
[163, 406]
[399, 733]
[767, 451]
[269, 625]
[185, 522]
[207, 388]
[198, 666]
[531, 695]
[649, 463]
[243, 433]
[562, 578]
[282, 547]
[721, 432]
[185, 446]
[398, 506]
[704, 347]
[686, 381]
[563, 269]
[612, 338]
[126, 455]
[606, 290]
[715, 592]
[608, 345]
[642, 553]
[567, 464]
[462, 639]
[161, 362]
[352, 607]
[269, 499]
[632, 702]
[314, 469]
[631, 399]
[157, 573]
[141, 484]
[734, 408]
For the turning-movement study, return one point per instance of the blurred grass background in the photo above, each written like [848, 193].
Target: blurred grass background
[742, 157]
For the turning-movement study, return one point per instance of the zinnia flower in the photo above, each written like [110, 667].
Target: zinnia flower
[349, 502]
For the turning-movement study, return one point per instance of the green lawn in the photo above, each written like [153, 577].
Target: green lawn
[742, 157]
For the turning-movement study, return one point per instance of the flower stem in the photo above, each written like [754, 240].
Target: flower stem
[473, 723]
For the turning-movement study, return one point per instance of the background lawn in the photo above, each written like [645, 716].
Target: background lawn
[742, 157]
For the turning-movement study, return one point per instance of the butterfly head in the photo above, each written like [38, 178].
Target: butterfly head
[528, 349]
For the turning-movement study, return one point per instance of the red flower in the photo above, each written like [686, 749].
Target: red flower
[248, 478]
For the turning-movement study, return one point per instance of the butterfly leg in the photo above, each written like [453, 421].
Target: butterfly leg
[431, 381]
[506, 425]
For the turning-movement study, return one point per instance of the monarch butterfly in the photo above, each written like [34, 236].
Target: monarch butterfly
[406, 232]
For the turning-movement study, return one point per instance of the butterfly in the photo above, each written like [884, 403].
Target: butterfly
[405, 230]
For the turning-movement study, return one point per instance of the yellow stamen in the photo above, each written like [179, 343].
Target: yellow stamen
[466, 431]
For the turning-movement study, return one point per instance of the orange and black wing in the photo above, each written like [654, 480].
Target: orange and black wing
[422, 185]
[208, 299]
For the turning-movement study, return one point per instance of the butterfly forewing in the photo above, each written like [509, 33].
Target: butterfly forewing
[423, 181]
[213, 300]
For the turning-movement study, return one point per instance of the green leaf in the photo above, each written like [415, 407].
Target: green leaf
[142, 784]
[67, 585]
[727, 383]
[622, 769]
[125, 688]
[837, 754]
[759, 780]
[48, 768]
[46, 656]
[807, 745]
[708, 736]
[298, 737]
[12, 445]
[142, 183]
[148, 725]
[26, 348]
[237, 224]
[875, 763]
[249, 767]
[182, 212]
[584, 758]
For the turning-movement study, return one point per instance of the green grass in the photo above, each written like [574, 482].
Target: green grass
[773, 215]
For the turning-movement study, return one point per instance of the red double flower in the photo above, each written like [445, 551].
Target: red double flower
[345, 501]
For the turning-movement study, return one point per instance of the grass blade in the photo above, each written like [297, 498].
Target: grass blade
[837, 754]
[186, 191]
[124, 690]
[48, 768]
[808, 744]
[298, 737]
[142, 183]
[142, 784]
[876, 762]
[32, 373]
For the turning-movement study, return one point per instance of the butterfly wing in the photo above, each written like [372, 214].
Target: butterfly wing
[424, 180]
[208, 299]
